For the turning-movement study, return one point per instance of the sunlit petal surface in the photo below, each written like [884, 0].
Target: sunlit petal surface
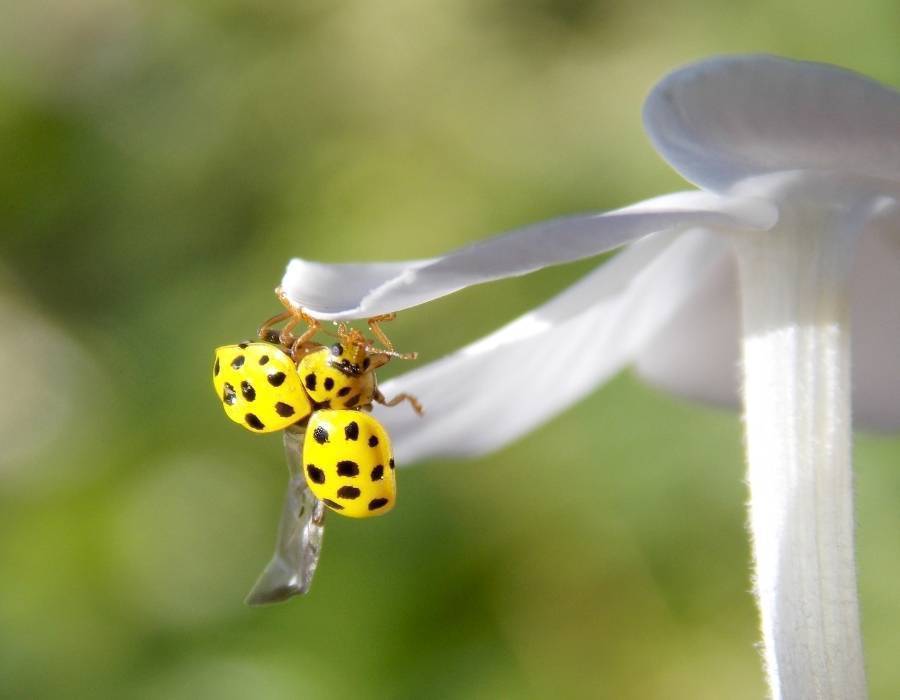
[357, 291]
[500, 387]
[697, 353]
[722, 120]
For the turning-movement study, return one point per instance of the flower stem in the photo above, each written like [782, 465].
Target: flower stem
[796, 371]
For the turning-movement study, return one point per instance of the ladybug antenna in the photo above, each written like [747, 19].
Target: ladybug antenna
[372, 350]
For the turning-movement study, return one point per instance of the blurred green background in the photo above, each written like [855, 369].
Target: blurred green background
[159, 164]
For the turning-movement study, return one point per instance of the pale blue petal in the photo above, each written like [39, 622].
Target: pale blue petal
[726, 119]
[349, 291]
[696, 354]
[491, 392]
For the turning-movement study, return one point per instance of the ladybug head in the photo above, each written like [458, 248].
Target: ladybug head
[351, 353]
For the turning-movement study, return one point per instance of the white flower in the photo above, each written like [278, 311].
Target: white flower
[794, 232]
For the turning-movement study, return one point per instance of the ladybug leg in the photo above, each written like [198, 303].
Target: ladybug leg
[285, 302]
[399, 398]
[302, 345]
[283, 336]
[265, 330]
[375, 327]
[299, 345]
[378, 360]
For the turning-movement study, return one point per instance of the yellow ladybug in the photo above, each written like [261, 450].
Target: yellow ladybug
[338, 376]
[348, 463]
[259, 386]
[317, 395]
[343, 376]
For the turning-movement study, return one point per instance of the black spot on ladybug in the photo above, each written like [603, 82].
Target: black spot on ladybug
[237, 362]
[320, 435]
[391, 463]
[316, 475]
[277, 379]
[328, 384]
[347, 468]
[311, 381]
[352, 401]
[243, 346]
[351, 430]
[285, 410]
[348, 492]
[373, 441]
[366, 363]
[343, 391]
[378, 472]
[216, 368]
[336, 349]
[254, 422]
[228, 395]
[248, 391]
[264, 359]
[377, 503]
[331, 504]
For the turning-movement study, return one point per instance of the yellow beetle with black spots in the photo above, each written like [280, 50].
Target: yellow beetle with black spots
[288, 380]
[348, 463]
[319, 395]
[331, 379]
[259, 387]
[343, 376]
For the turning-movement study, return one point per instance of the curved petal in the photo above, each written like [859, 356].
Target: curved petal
[696, 354]
[341, 291]
[875, 289]
[546, 360]
[725, 119]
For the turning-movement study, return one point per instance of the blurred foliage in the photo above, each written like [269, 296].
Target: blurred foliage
[161, 161]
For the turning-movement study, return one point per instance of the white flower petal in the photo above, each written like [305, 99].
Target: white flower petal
[875, 321]
[500, 387]
[696, 354]
[342, 291]
[729, 118]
